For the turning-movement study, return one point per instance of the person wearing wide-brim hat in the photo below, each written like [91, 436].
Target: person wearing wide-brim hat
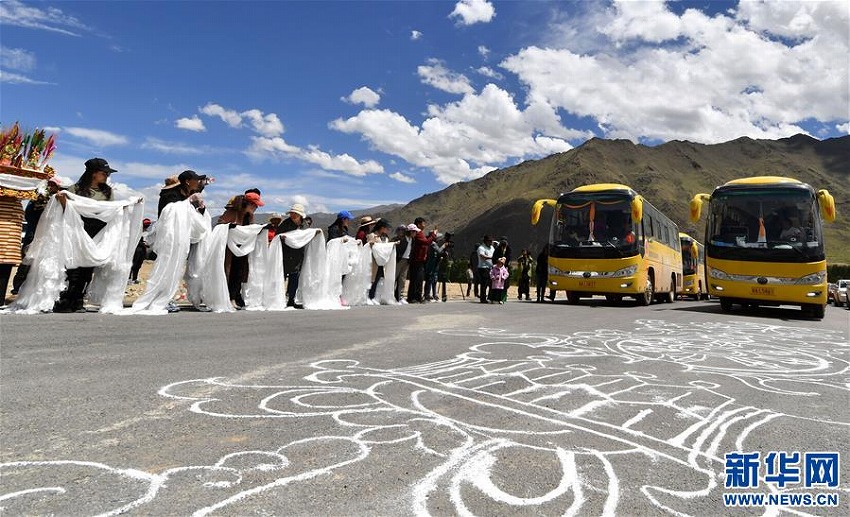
[292, 258]
[365, 227]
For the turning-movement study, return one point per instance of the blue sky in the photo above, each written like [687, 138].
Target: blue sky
[346, 105]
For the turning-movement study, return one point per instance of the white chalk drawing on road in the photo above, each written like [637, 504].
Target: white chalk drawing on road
[605, 421]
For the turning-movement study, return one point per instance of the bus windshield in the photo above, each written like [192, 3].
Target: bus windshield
[594, 225]
[765, 224]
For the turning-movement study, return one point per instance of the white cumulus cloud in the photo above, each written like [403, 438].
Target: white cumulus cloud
[97, 137]
[230, 117]
[268, 125]
[469, 12]
[484, 51]
[650, 73]
[415, 35]
[437, 75]
[193, 123]
[465, 139]
[162, 146]
[365, 96]
[278, 147]
[486, 71]
[403, 178]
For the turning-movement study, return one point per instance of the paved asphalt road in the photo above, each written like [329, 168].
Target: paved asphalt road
[443, 409]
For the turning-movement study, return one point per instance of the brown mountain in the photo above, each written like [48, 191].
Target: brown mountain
[668, 175]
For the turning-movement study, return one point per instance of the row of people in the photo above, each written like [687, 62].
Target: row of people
[88, 241]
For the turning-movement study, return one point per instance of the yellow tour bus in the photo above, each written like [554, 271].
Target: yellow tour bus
[693, 268]
[764, 243]
[606, 239]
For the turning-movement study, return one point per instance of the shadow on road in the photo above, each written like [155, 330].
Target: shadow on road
[781, 313]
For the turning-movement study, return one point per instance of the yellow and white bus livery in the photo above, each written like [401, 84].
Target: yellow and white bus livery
[606, 239]
[764, 243]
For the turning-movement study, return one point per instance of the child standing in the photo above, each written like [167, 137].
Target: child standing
[498, 276]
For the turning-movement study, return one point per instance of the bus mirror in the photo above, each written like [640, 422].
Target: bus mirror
[637, 209]
[538, 207]
[696, 206]
[827, 206]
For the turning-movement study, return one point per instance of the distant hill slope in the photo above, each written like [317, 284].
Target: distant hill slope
[667, 175]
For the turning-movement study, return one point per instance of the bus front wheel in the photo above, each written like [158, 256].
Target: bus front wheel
[726, 305]
[671, 296]
[648, 292]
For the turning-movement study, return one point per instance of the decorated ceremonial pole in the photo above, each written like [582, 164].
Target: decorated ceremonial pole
[23, 174]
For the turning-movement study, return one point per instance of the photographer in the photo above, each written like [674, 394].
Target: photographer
[189, 183]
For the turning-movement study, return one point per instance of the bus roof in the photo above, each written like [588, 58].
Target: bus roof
[764, 180]
[601, 187]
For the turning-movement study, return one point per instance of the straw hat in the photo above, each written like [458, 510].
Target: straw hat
[366, 220]
[171, 182]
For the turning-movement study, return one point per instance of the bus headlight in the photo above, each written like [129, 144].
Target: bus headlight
[814, 278]
[557, 272]
[716, 273]
[689, 282]
[624, 272]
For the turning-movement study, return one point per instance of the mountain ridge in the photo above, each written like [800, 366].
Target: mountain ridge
[668, 175]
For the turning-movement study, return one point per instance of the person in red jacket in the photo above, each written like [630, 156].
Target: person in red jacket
[418, 256]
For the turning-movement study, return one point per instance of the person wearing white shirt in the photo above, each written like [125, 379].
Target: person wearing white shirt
[485, 264]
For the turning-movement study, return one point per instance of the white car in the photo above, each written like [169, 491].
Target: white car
[841, 292]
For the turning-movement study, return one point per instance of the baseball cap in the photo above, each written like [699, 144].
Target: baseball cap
[190, 175]
[412, 228]
[99, 164]
[254, 198]
[345, 214]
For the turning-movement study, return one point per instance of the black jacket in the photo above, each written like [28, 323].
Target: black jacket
[292, 258]
[170, 195]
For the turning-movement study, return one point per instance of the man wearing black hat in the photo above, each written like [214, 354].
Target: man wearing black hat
[92, 184]
[189, 182]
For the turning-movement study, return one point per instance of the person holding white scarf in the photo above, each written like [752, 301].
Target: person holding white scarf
[92, 184]
[238, 212]
[91, 236]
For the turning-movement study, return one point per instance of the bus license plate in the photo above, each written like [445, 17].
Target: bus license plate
[587, 283]
[763, 291]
